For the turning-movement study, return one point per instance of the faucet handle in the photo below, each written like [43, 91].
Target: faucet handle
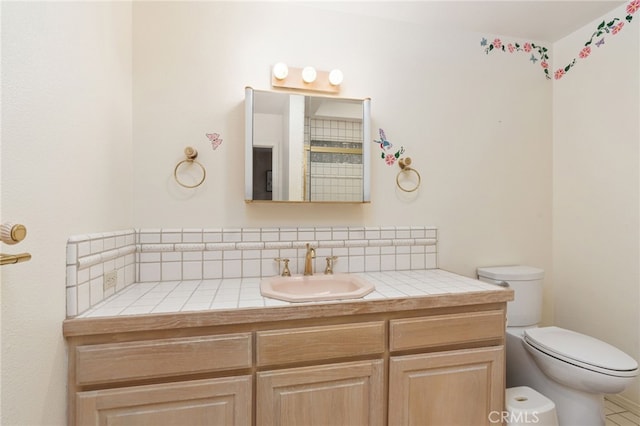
[285, 271]
[329, 269]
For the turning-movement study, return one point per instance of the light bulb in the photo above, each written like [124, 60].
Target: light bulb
[309, 74]
[280, 71]
[335, 77]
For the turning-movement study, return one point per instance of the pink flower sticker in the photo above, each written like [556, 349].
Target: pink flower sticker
[390, 159]
[617, 28]
[544, 64]
[511, 48]
[558, 74]
[527, 46]
[586, 51]
[497, 43]
[633, 7]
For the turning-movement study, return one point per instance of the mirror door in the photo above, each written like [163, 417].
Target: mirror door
[315, 146]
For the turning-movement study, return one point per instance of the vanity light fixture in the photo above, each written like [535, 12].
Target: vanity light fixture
[335, 77]
[280, 71]
[309, 74]
[307, 78]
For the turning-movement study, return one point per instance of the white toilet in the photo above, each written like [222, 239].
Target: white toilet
[573, 370]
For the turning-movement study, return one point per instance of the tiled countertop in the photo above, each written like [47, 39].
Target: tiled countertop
[199, 304]
[229, 294]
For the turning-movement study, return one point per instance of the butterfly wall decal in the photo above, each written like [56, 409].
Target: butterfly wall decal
[215, 139]
[384, 143]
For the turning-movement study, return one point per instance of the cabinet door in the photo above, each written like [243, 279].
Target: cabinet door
[346, 394]
[446, 388]
[224, 402]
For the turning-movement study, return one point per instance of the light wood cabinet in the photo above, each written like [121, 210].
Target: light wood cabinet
[107, 381]
[321, 343]
[349, 394]
[391, 363]
[113, 362]
[213, 402]
[453, 388]
[448, 387]
[447, 329]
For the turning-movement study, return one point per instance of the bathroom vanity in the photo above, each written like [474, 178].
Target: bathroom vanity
[427, 359]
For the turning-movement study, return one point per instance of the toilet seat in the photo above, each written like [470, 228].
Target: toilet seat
[582, 351]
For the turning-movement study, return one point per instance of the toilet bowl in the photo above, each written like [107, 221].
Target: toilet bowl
[578, 394]
[571, 369]
[578, 361]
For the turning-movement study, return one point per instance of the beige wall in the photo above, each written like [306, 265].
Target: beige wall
[66, 169]
[477, 127]
[100, 99]
[596, 190]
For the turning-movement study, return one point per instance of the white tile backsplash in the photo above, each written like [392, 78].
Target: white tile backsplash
[89, 257]
[191, 254]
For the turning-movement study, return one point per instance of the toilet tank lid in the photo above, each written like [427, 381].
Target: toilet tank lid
[511, 273]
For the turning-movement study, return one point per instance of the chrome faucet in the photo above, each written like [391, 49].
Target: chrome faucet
[308, 260]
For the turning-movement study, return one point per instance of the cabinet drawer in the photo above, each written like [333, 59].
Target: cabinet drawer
[447, 329]
[319, 343]
[113, 362]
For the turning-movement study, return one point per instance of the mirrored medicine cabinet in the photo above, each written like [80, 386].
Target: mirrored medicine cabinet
[302, 148]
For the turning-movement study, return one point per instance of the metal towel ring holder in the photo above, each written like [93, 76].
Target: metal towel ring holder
[404, 168]
[191, 154]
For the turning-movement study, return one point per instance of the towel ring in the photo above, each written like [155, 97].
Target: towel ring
[404, 168]
[191, 155]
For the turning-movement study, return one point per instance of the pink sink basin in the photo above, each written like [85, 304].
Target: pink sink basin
[316, 287]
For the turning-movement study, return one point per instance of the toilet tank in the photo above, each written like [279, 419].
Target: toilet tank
[526, 282]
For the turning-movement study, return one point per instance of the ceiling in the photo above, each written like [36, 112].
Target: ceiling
[536, 20]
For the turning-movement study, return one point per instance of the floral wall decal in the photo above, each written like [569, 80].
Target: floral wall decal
[539, 53]
[388, 155]
[527, 47]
